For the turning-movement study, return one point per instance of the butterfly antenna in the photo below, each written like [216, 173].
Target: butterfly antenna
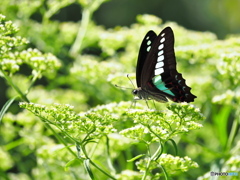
[125, 87]
[121, 87]
[130, 81]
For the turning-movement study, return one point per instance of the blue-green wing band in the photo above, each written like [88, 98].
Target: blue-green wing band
[157, 81]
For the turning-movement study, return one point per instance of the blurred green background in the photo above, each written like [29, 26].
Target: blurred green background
[109, 46]
[218, 16]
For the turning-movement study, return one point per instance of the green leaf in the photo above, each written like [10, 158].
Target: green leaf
[221, 122]
[175, 145]
[136, 157]
[165, 173]
[5, 107]
[73, 162]
[86, 163]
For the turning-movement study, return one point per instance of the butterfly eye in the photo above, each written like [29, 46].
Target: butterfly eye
[135, 92]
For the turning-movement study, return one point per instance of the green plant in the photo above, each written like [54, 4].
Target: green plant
[101, 138]
[93, 130]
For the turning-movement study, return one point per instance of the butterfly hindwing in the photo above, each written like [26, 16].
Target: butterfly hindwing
[156, 69]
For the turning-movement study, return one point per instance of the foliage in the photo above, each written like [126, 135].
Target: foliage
[146, 127]
[87, 130]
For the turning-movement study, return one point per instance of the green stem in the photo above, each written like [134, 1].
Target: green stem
[165, 173]
[60, 139]
[147, 168]
[109, 156]
[9, 80]
[96, 166]
[76, 47]
[155, 156]
[158, 153]
[86, 16]
[149, 128]
[32, 82]
[82, 145]
[233, 131]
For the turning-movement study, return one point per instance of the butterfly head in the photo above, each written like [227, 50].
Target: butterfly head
[139, 93]
[135, 92]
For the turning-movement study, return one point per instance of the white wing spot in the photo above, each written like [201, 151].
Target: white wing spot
[148, 42]
[148, 48]
[160, 46]
[160, 58]
[158, 71]
[147, 37]
[162, 40]
[163, 34]
[159, 64]
[160, 53]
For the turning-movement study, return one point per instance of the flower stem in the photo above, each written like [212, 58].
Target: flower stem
[9, 80]
[76, 47]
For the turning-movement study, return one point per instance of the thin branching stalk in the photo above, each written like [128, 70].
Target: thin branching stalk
[33, 81]
[82, 146]
[96, 166]
[109, 156]
[147, 169]
[9, 80]
[88, 10]
[60, 139]
[76, 47]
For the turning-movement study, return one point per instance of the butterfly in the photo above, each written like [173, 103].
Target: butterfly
[156, 74]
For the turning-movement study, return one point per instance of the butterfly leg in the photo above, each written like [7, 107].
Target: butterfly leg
[154, 105]
[133, 104]
[147, 103]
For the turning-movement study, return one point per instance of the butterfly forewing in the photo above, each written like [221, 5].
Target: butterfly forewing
[156, 69]
[143, 52]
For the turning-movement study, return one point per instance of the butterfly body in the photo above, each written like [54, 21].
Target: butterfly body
[141, 94]
[156, 74]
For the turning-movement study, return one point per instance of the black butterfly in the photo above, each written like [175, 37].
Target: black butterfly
[156, 74]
